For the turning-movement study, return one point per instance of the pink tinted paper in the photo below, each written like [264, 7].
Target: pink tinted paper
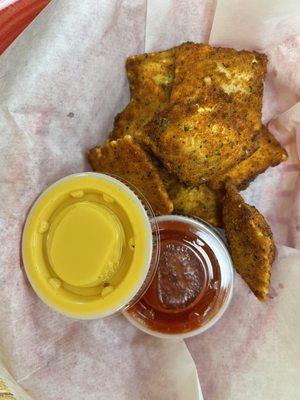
[254, 352]
[61, 84]
[171, 22]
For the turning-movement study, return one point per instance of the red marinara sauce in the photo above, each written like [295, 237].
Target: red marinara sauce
[189, 288]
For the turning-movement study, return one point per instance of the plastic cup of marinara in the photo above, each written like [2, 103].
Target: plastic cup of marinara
[193, 284]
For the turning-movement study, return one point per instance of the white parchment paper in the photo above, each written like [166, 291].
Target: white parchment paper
[61, 83]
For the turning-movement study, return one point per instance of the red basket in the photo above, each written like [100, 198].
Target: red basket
[15, 15]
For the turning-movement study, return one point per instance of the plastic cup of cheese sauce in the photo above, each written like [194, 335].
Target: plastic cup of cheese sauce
[92, 247]
[89, 248]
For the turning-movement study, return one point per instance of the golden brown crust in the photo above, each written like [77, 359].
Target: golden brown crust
[199, 142]
[132, 119]
[127, 160]
[209, 77]
[150, 79]
[151, 74]
[269, 154]
[250, 240]
[236, 77]
[201, 201]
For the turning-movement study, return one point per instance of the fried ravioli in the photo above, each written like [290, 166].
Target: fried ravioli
[235, 77]
[201, 201]
[150, 79]
[250, 241]
[269, 154]
[198, 143]
[217, 97]
[127, 160]
[151, 75]
[132, 119]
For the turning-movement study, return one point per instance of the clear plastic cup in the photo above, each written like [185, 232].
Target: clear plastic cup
[76, 272]
[148, 316]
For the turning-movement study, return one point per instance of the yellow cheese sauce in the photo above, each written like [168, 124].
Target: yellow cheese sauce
[87, 245]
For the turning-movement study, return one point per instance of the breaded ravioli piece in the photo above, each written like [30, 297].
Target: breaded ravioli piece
[127, 160]
[150, 80]
[199, 142]
[250, 240]
[131, 120]
[234, 76]
[269, 154]
[201, 201]
[151, 74]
